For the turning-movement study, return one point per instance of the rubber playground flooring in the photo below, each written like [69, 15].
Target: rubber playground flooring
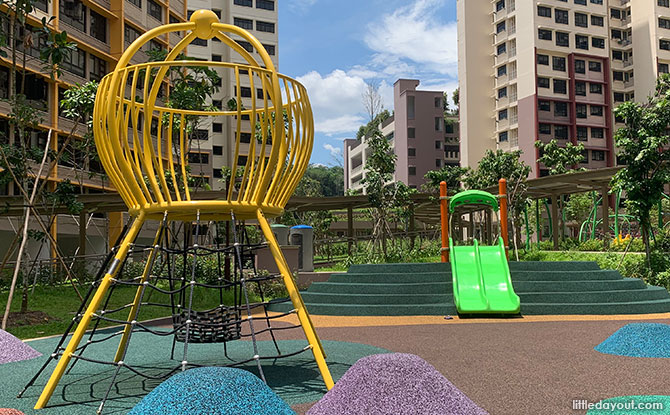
[530, 365]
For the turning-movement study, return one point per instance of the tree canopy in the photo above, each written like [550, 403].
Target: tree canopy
[557, 159]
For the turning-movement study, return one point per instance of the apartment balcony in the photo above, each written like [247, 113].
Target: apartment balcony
[624, 43]
[106, 4]
[177, 6]
[356, 170]
[628, 62]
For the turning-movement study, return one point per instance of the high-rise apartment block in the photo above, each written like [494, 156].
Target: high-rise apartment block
[420, 137]
[555, 69]
[216, 146]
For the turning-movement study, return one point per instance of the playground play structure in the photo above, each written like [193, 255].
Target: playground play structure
[481, 277]
[151, 175]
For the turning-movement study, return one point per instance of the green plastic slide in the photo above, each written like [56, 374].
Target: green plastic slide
[482, 282]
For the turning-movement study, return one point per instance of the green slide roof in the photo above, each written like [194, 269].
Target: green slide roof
[473, 197]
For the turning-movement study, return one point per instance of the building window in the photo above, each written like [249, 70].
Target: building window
[502, 137]
[664, 44]
[581, 20]
[580, 66]
[544, 105]
[561, 109]
[265, 26]
[561, 16]
[618, 76]
[617, 55]
[438, 123]
[438, 145]
[502, 48]
[500, 5]
[245, 92]
[598, 42]
[619, 97]
[438, 163]
[130, 34]
[545, 129]
[411, 170]
[664, 3]
[582, 42]
[501, 27]
[246, 45]
[136, 3]
[199, 42]
[543, 82]
[597, 132]
[542, 59]
[410, 107]
[597, 21]
[595, 66]
[245, 3]
[560, 86]
[663, 68]
[616, 13]
[201, 134]
[562, 39]
[217, 150]
[582, 133]
[265, 4]
[218, 173]
[558, 63]
[502, 92]
[580, 89]
[242, 160]
[449, 128]
[596, 110]
[75, 63]
[596, 89]
[502, 115]
[98, 27]
[245, 138]
[217, 127]
[98, 68]
[581, 2]
[155, 10]
[411, 152]
[544, 34]
[597, 155]
[543, 11]
[270, 49]
[617, 34]
[600, 2]
[663, 23]
[438, 102]
[73, 13]
[560, 132]
[411, 132]
[247, 24]
[502, 70]
[198, 158]
[580, 110]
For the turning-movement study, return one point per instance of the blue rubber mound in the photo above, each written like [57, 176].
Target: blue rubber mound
[212, 391]
[638, 340]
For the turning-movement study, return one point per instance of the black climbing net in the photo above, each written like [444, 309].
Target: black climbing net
[205, 292]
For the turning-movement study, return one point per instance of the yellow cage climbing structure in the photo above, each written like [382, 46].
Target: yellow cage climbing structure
[150, 170]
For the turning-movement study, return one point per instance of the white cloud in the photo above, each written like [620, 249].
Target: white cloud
[334, 151]
[301, 6]
[339, 125]
[411, 39]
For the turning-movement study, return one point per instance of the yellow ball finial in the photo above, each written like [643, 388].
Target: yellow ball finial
[204, 19]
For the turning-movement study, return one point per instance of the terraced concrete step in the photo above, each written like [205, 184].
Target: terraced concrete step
[391, 278]
[374, 310]
[646, 294]
[577, 286]
[400, 268]
[348, 288]
[636, 307]
[553, 265]
[590, 275]
[376, 299]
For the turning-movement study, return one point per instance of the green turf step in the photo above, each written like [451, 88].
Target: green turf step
[553, 265]
[400, 268]
[635, 307]
[391, 278]
[577, 286]
[376, 299]
[590, 275]
[348, 288]
[646, 294]
[374, 310]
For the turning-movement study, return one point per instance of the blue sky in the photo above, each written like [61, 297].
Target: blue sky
[335, 46]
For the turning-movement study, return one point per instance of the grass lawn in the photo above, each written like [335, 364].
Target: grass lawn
[61, 303]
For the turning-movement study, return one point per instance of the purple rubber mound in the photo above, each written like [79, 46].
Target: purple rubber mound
[14, 350]
[398, 384]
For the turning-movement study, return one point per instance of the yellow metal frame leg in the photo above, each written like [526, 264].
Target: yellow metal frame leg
[90, 310]
[296, 299]
[132, 315]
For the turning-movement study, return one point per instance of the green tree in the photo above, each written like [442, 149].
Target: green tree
[509, 166]
[330, 179]
[641, 142]
[368, 129]
[457, 100]
[557, 159]
[453, 175]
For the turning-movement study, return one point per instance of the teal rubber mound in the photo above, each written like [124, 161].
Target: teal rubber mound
[481, 279]
[638, 340]
[212, 391]
[632, 405]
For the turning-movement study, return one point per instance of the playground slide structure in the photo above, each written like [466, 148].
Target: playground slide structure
[482, 281]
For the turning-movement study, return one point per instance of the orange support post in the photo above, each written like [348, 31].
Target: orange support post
[444, 214]
[502, 190]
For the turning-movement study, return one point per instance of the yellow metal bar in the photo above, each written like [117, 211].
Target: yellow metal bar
[90, 310]
[132, 315]
[296, 299]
